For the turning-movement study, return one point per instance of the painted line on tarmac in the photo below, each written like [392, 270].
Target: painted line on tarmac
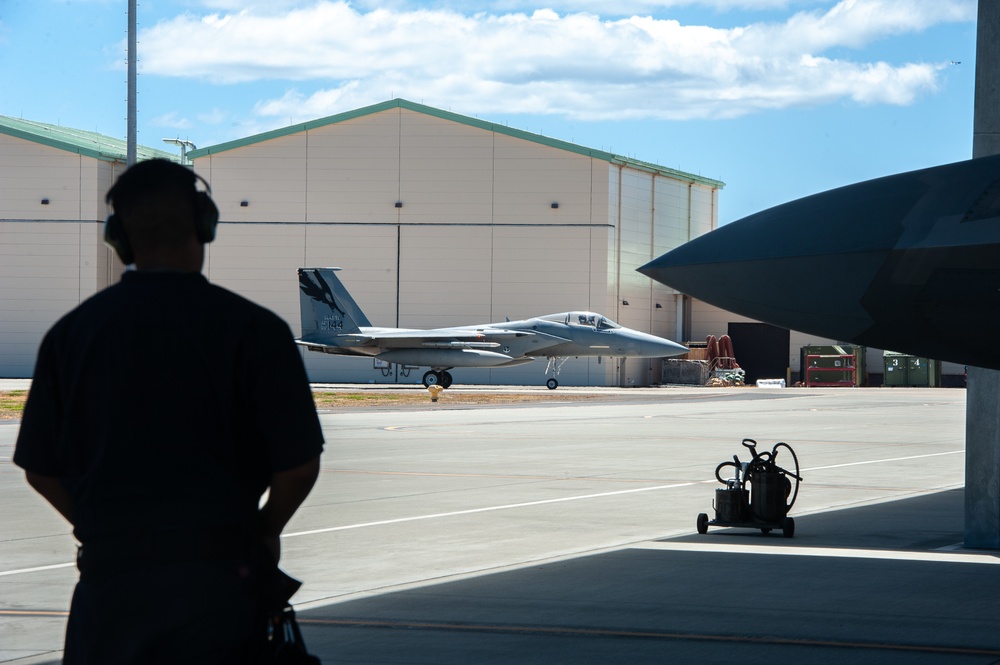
[37, 569]
[486, 509]
[938, 556]
[560, 631]
[34, 613]
[882, 461]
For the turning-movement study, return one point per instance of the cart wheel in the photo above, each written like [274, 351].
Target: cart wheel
[702, 523]
[765, 530]
[788, 527]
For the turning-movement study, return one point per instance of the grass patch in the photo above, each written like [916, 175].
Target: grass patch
[12, 404]
[325, 400]
[12, 401]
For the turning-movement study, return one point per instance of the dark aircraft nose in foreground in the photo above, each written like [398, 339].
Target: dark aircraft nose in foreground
[909, 262]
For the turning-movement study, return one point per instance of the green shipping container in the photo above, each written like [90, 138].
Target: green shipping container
[906, 370]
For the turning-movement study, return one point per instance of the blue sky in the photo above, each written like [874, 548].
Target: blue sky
[777, 98]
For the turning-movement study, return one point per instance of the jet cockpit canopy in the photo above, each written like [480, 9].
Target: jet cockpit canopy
[586, 319]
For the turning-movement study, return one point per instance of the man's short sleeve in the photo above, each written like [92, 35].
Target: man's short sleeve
[38, 435]
[289, 425]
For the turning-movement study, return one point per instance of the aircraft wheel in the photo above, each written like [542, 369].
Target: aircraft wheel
[552, 384]
[702, 523]
[431, 378]
[788, 527]
[445, 379]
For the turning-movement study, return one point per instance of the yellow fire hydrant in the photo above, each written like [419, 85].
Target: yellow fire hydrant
[434, 390]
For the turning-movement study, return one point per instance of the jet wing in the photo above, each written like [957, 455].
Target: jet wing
[374, 339]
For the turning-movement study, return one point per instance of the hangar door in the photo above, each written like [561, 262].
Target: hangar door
[761, 350]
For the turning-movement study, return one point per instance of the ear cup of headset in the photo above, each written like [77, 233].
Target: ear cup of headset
[114, 236]
[206, 217]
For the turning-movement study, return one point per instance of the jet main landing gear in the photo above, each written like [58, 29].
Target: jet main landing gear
[435, 378]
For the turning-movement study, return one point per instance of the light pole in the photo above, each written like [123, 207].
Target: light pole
[185, 146]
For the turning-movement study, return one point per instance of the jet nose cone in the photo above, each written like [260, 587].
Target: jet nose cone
[906, 262]
[651, 346]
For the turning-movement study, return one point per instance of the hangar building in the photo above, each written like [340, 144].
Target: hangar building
[436, 219]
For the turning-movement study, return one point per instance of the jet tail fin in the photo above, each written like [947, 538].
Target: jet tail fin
[326, 308]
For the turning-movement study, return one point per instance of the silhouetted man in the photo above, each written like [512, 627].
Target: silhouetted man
[161, 410]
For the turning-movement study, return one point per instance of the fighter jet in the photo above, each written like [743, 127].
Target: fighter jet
[333, 323]
[909, 262]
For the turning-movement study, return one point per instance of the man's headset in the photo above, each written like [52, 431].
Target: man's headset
[206, 219]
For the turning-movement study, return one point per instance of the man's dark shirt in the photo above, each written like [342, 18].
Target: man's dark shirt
[166, 403]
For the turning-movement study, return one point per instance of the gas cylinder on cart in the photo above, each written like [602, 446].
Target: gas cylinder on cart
[731, 504]
[768, 493]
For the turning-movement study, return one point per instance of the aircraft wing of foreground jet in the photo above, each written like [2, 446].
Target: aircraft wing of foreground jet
[333, 323]
[909, 262]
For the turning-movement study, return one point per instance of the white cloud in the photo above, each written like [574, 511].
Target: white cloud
[212, 117]
[576, 65]
[171, 120]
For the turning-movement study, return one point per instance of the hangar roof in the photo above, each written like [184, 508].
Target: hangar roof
[88, 144]
[465, 120]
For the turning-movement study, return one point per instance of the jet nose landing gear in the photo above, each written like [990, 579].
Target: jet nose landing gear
[436, 378]
[552, 367]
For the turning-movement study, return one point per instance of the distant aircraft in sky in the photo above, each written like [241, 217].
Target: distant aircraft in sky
[333, 323]
[909, 263]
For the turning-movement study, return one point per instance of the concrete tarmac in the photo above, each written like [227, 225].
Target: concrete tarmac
[564, 532]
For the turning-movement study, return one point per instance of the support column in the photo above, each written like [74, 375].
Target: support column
[982, 411]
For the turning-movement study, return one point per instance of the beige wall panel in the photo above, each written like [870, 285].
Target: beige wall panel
[378, 131]
[671, 215]
[259, 261]
[40, 280]
[96, 178]
[603, 274]
[422, 131]
[354, 170]
[354, 247]
[93, 259]
[459, 213]
[270, 176]
[544, 176]
[704, 210]
[528, 282]
[334, 211]
[529, 177]
[347, 163]
[444, 276]
[446, 172]
[40, 250]
[30, 172]
[18, 355]
[663, 322]
[635, 232]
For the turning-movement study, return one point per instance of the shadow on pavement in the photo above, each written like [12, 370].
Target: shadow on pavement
[863, 585]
